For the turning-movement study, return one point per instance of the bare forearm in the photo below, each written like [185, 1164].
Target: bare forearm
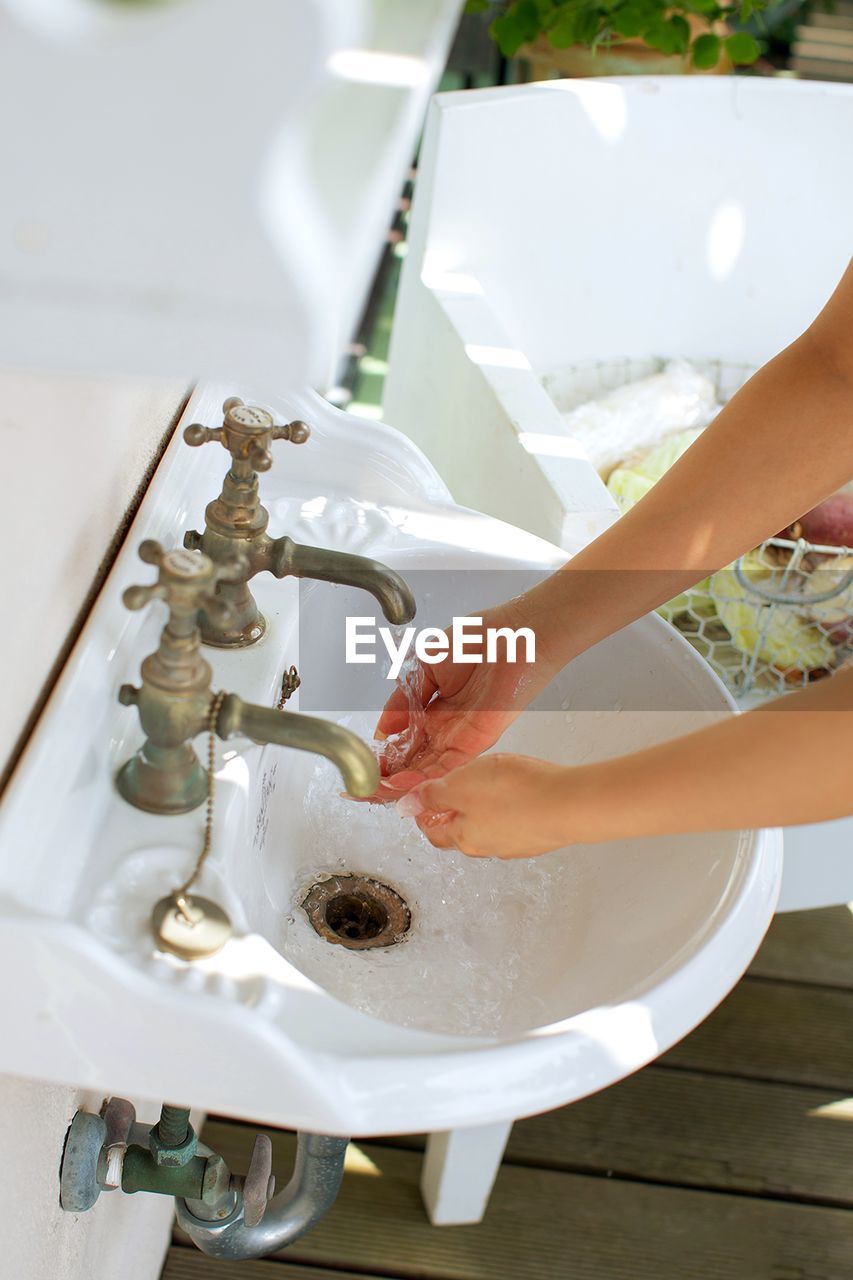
[780, 446]
[788, 763]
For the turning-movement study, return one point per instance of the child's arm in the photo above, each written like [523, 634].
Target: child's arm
[787, 763]
[780, 446]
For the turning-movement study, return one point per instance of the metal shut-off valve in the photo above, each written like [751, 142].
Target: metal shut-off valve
[112, 1151]
[225, 1215]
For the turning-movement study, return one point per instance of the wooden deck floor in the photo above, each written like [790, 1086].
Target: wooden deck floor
[729, 1159]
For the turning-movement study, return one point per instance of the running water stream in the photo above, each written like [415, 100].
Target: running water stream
[395, 752]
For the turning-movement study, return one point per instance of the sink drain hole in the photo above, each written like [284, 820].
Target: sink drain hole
[350, 916]
[356, 912]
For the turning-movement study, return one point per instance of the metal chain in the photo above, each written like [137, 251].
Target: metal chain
[182, 902]
[290, 682]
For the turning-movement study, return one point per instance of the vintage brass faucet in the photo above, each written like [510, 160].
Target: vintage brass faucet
[236, 522]
[176, 702]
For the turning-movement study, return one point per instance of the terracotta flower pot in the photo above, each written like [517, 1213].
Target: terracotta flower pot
[628, 57]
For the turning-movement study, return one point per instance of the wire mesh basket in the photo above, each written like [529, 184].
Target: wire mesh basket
[778, 618]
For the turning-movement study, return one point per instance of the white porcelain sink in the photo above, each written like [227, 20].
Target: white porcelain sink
[520, 986]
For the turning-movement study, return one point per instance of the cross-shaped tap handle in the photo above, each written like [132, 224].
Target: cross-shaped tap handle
[247, 432]
[186, 581]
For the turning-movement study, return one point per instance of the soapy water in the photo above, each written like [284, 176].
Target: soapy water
[476, 959]
[488, 937]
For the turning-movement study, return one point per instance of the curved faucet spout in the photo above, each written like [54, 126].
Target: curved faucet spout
[355, 761]
[289, 559]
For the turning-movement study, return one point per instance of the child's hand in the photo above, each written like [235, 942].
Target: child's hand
[467, 708]
[500, 806]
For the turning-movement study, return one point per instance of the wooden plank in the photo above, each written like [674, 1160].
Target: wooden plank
[809, 946]
[769, 1030]
[541, 1225]
[816, 51]
[686, 1128]
[832, 20]
[832, 37]
[692, 1129]
[186, 1263]
[821, 69]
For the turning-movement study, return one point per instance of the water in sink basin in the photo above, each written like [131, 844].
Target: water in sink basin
[496, 947]
[472, 920]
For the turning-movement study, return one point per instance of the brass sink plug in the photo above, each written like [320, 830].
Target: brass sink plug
[176, 702]
[236, 522]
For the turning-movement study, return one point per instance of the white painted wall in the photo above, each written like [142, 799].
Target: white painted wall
[122, 1236]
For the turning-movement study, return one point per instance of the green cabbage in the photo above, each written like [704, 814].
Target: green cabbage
[628, 487]
[658, 460]
[631, 482]
[789, 642]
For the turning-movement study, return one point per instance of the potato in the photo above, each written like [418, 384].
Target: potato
[835, 613]
[830, 523]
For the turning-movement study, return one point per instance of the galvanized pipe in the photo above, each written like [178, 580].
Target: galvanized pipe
[308, 1196]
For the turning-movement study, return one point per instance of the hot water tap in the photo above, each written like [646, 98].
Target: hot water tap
[236, 522]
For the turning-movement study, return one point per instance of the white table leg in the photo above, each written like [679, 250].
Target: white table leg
[459, 1172]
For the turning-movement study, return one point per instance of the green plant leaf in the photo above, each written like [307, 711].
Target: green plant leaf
[708, 8]
[564, 30]
[629, 20]
[706, 52]
[662, 24]
[662, 34]
[514, 28]
[742, 48]
[527, 14]
[588, 25]
[681, 28]
[653, 34]
[506, 35]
